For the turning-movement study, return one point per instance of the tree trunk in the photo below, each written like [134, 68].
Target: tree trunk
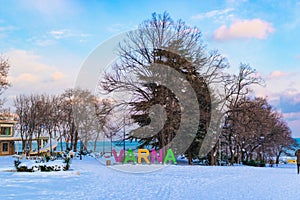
[212, 157]
[231, 149]
[238, 155]
[95, 142]
[189, 157]
[277, 158]
[23, 145]
[50, 136]
[75, 141]
[61, 146]
[71, 139]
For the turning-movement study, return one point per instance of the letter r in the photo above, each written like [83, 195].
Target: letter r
[143, 153]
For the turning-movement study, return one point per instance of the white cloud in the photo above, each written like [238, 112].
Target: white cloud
[255, 28]
[66, 33]
[279, 84]
[292, 95]
[24, 78]
[291, 115]
[57, 75]
[7, 28]
[54, 36]
[59, 34]
[4, 30]
[29, 74]
[23, 61]
[277, 74]
[213, 14]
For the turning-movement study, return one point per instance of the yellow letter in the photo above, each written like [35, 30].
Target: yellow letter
[143, 153]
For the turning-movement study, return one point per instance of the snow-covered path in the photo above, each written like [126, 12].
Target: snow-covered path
[174, 182]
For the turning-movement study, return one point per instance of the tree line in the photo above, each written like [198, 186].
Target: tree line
[75, 117]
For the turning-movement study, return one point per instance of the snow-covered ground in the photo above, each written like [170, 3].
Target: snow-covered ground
[89, 179]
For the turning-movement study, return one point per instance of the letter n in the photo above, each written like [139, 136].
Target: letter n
[154, 155]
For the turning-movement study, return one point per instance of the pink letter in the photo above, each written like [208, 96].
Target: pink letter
[154, 155]
[120, 157]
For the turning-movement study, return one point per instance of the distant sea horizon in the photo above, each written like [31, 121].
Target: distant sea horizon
[103, 146]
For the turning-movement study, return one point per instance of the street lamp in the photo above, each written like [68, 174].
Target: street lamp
[111, 140]
[124, 138]
[262, 139]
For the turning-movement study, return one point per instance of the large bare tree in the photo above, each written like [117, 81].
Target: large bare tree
[164, 42]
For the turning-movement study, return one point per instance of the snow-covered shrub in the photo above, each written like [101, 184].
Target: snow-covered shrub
[17, 163]
[33, 166]
[47, 158]
[67, 161]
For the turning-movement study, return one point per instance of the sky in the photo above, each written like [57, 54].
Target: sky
[46, 42]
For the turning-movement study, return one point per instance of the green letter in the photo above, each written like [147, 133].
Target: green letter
[129, 156]
[170, 157]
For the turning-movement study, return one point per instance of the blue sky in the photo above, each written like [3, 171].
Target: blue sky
[47, 41]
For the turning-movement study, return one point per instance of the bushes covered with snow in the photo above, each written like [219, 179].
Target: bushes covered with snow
[254, 163]
[36, 165]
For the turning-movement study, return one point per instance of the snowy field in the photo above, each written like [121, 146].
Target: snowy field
[89, 179]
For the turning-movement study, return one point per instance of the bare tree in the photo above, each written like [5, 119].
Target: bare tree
[37, 117]
[256, 131]
[237, 88]
[68, 123]
[160, 40]
[279, 139]
[4, 83]
[84, 117]
[22, 106]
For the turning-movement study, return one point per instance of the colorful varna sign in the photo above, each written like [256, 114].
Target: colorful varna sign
[144, 156]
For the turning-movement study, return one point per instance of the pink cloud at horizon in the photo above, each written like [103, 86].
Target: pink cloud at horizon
[255, 28]
[277, 74]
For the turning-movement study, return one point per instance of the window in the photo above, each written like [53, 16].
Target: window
[4, 130]
[5, 147]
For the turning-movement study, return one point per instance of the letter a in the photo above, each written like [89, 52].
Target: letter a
[170, 157]
[143, 153]
[129, 156]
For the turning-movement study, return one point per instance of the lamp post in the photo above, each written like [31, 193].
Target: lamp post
[124, 139]
[243, 150]
[111, 140]
[220, 151]
[262, 139]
